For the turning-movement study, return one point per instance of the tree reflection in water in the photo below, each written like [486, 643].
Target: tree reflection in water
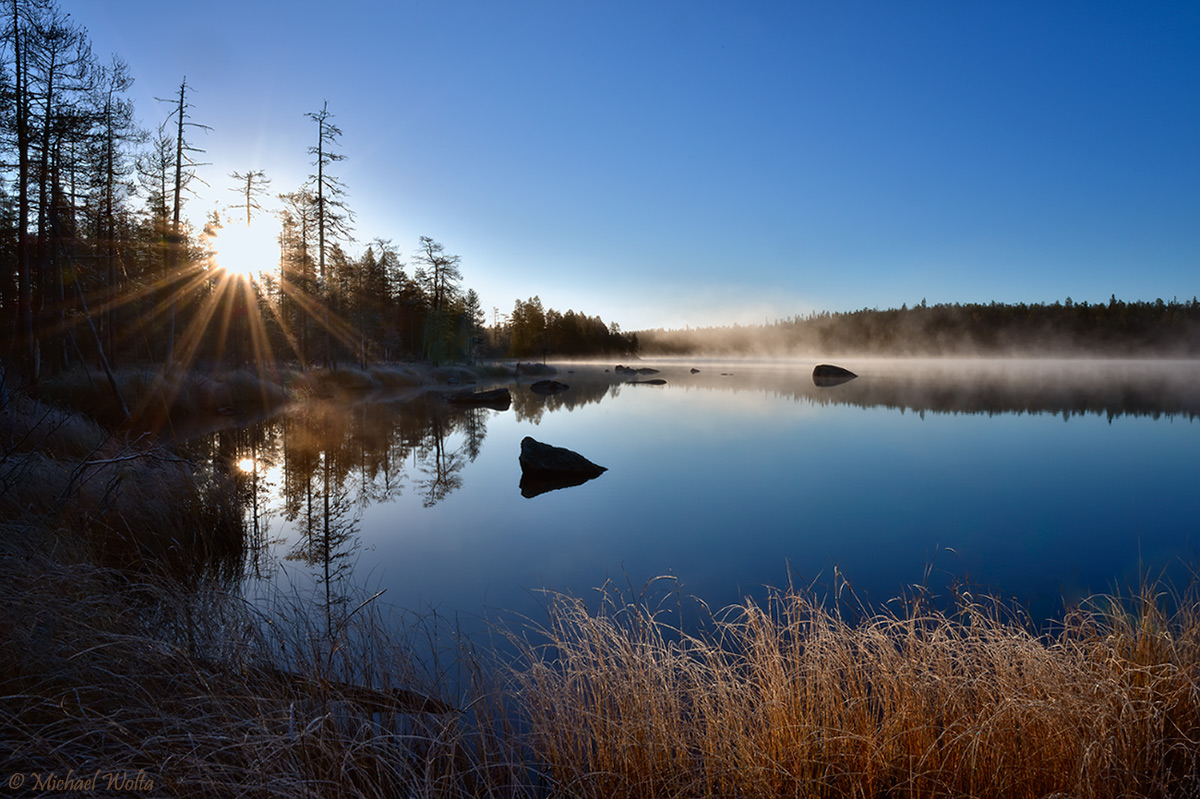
[531, 407]
[319, 467]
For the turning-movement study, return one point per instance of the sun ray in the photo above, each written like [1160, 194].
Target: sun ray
[277, 315]
[326, 319]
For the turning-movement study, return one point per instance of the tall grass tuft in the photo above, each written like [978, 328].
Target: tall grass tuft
[30, 426]
[789, 698]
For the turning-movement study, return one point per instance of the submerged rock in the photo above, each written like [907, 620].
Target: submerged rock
[545, 468]
[826, 375]
[547, 387]
[656, 381]
[695, 371]
[498, 398]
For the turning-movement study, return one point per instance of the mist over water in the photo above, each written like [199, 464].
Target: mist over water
[1041, 481]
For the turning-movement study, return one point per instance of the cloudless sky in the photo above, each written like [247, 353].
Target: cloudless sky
[691, 163]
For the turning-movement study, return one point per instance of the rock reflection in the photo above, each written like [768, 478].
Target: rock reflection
[530, 405]
[545, 467]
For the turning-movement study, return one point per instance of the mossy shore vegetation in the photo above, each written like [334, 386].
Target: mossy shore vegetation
[129, 648]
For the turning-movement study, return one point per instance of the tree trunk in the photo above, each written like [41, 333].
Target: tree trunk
[27, 344]
[112, 381]
[174, 244]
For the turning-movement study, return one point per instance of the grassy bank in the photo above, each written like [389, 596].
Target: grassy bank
[211, 697]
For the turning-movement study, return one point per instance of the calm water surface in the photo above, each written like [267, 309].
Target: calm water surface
[1039, 481]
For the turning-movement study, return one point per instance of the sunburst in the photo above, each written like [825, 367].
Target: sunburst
[247, 251]
[223, 307]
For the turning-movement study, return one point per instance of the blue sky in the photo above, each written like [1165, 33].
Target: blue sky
[692, 163]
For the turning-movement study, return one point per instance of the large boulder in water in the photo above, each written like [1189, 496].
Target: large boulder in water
[546, 468]
[825, 375]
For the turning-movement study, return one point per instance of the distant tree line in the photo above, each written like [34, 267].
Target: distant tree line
[100, 266]
[537, 332]
[1115, 328]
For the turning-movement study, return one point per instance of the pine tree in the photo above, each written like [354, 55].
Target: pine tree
[333, 217]
[440, 275]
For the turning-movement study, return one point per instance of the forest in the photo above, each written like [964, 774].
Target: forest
[1063, 329]
[100, 265]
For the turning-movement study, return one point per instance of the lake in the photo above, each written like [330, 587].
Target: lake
[1038, 481]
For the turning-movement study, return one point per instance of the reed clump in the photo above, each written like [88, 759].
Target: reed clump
[789, 698]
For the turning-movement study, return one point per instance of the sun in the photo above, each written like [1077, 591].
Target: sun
[246, 250]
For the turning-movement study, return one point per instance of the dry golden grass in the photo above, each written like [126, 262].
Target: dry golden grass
[790, 699]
